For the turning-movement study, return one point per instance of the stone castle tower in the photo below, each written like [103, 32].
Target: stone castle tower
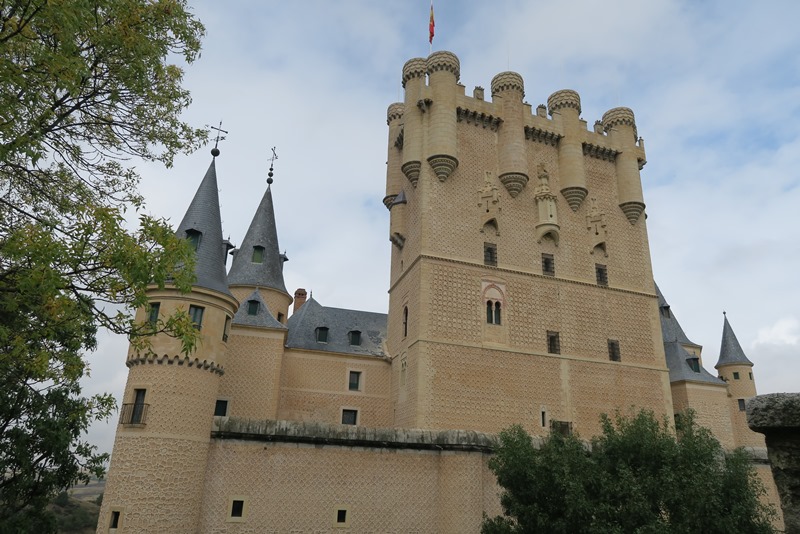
[521, 291]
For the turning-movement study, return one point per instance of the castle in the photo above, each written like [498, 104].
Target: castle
[521, 291]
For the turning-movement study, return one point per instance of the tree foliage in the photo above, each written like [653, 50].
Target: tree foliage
[86, 88]
[639, 477]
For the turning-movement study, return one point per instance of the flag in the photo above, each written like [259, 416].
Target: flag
[431, 26]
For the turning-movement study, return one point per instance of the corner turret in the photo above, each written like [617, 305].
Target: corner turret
[508, 89]
[620, 125]
[565, 107]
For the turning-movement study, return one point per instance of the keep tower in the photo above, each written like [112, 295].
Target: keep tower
[521, 287]
[162, 441]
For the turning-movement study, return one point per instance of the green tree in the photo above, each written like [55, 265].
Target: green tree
[87, 87]
[639, 477]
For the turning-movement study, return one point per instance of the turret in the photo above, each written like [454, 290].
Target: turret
[394, 156]
[259, 263]
[443, 71]
[565, 106]
[737, 370]
[620, 125]
[170, 397]
[508, 90]
[414, 83]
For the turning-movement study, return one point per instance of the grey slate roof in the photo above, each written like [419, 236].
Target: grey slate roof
[730, 352]
[203, 216]
[304, 323]
[670, 327]
[679, 368]
[263, 318]
[262, 232]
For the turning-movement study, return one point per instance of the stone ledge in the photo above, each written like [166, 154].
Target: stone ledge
[351, 436]
[774, 412]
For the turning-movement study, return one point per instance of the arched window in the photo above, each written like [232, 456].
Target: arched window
[497, 313]
[489, 312]
[493, 312]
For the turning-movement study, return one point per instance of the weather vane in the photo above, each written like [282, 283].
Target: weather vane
[215, 150]
[271, 165]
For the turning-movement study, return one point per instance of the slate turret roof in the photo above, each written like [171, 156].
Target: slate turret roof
[304, 323]
[670, 327]
[262, 232]
[730, 351]
[203, 216]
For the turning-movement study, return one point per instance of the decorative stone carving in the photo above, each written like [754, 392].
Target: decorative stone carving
[414, 68]
[395, 112]
[398, 143]
[563, 99]
[443, 165]
[596, 221]
[542, 136]
[514, 182]
[388, 200]
[478, 118]
[546, 204]
[443, 60]
[574, 196]
[508, 81]
[632, 210]
[424, 104]
[489, 199]
[600, 152]
[621, 115]
[411, 170]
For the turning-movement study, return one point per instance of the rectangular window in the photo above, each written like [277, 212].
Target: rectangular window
[602, 274]
[694, 364]
[258, 255]
[322, 334]
[561, 427]
[152, 313]
[553, 343]
[227, 329]
[252, 307]
[548, 265]
[221, 408]
[354, 336]
[237, 508]
[613, 350]
[135, 413]
[735, 375]
[355, 381]
[490, 254]
[544, 419]
[115, 515]
[196, 314]
[349, 417]
[751, 375]
[341, 516]
[741, 405]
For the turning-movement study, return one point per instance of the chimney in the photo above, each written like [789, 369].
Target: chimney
[299, 299]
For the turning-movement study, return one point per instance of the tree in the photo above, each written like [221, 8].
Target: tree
[87, 87]
[639, 477]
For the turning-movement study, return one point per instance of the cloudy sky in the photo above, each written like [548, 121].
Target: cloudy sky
[715, 87]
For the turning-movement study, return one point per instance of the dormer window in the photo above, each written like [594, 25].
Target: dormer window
[322, 334]
[665, 311]
[694, 364]
[258, 255]
[193, 236]
[354, 336]
[252, 307]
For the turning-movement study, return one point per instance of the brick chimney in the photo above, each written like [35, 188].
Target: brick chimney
[299, 299]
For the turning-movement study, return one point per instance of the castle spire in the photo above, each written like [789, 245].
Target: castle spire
[259, 262]
[730, 351]
[202, 226]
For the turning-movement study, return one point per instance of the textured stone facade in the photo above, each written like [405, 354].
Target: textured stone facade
[521, 291]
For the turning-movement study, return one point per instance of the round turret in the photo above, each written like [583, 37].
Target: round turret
[565, 98]
[414, 68]
[395, 112]
[620, 116]
[443, 61]
[508, 81]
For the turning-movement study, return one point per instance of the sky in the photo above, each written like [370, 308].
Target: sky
[714, 85]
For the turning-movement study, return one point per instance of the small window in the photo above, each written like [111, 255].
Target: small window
[227, 329]
[354, 336]
[405, 321]
[735, 376]
[349, 417]
[354, 383]
[237, 508]
[322, 334]
[152, 312]
[741, 405]
[694, 364]
[602, 274]
[561, 427]
[544, 419]
[196, 314]
[613, 350]
[665, 311]
[258, 255]
[751, 375]
[341, 516]
[548, 265]
[135, 413]
[553, 343]
[221, 408]
[252, 307]
[493, 312]
[490, 254]
[115, 516]
[193, 236]
[280, 317]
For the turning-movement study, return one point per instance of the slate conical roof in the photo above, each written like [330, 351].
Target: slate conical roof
[730, 352]
[670, 327]
[262, 232]
[262, 318]
[203, 216]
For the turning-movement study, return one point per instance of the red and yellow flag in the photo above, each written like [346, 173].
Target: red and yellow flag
[431, 26]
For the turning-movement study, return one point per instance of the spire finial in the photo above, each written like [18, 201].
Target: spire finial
[215, 150]
[271, 165]
[723, 313]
